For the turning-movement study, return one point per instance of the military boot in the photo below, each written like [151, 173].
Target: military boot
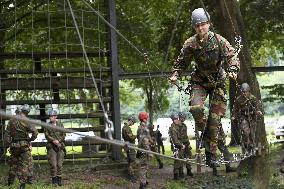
[215, 172]
[189, 173]
[142, 185]
[230, 169]
[22, 186]
[176, 176]
[59, 181]
[161, 165]
[30, 180]
[54, 180]
[132, 178]
[181, 174]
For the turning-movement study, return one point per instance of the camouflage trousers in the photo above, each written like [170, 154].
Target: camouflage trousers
[182, 154]
[248, 133]
[131, 156]
[143, 169]
[21, 165]
[208, 125]
[55, 160]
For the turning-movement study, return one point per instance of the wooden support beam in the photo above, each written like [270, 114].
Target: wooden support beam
[61, 101]
[84, 129]
[48, 83]
[268, 69]
[54, 70]
[67, 54]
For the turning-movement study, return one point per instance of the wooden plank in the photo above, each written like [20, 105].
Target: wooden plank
[68, 116]
[61, 101]
[84, 129]
[38, 55]
[54, 70]
[268, 69]
[49, 83]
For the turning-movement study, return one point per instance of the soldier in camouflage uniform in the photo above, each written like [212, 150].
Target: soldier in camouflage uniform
[154, 146]
[214, 59]
[17, 137]
[177, 146]
[55, 148]
[247, 109]
[144, 142]
[185, 141]
[128, 136]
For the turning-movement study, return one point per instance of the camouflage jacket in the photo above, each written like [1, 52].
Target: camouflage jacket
[52, 135]
[17, 133]
[127, 134]
[175, 135]
[183, 133]
[144, 133]
[207, 57]
[246, 107]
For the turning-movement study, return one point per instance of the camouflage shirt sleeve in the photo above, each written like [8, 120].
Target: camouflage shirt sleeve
[128, 135]
[185, 57]
[34, 132]
[229, 53]
[7, 135]
[174, 137]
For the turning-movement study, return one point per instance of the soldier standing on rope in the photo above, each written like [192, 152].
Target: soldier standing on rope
[209, 51]
[247, 109]
[160, 140]
[18, 140]
[144, 142]
[177, 146]
[128, 136]
[185, 141]
[55, 148]
[154, 146]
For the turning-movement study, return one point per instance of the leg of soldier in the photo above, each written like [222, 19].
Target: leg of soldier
[198, 96]
[163, 148]
[216, 112]
[30, 173]
[245, 134]
[52, 160]
[188, 155]
[13, 163]
[59, 160]
[224, 150]
[24, 166]
[143, 170]
[131, 154]
[252, 133]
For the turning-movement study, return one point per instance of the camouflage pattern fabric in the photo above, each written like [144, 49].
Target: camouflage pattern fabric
[207, 79]
[176, 141]
[160, 144]
[154, 146]
[222, 144]
[128, 136]
[55, 154]
[17, 138]
[144, 142]
[185, 141]
[245, 112]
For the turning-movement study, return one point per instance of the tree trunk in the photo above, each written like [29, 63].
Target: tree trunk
[256, 167]
[149, 94]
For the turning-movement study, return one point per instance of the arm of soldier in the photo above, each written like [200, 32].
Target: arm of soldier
[174, 138]
[129, 133]
[48, 137]
[233, 63]
[182, 62]
[34, 132]
[62, 134]
[7, 136]
[258, 107]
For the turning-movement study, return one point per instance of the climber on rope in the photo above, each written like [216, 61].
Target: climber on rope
[247, 110]
[214, 59]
